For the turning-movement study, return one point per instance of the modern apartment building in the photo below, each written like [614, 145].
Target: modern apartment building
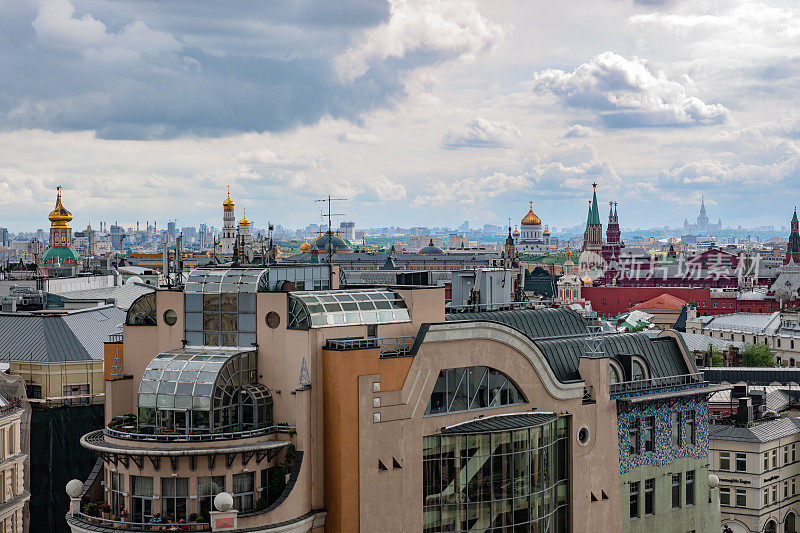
[254, 402]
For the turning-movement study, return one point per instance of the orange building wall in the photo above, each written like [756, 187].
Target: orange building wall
[340, 418]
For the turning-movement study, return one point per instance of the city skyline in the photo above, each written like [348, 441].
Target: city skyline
[130, 109]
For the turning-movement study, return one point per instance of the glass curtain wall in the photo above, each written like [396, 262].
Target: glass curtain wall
[515, 480]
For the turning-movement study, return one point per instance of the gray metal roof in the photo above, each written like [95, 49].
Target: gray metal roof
[72, 336]
[501, 423]
[122, 295]
[752, 375]
[765, 432]
[534, 324]
[560, 334]
[698, 341]
[759, 323]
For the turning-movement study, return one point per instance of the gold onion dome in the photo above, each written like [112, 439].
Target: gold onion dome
[228, 203]
[60, 217]
[531, 219]
[546, 232]
[305, 246]
[516, 232]
[244, 221]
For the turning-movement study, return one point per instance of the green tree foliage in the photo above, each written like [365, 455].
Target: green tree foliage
[716, 358]
[757, 355]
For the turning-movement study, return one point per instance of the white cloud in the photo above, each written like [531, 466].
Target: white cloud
[579, 130]
[627, 93]
[384, 189]
[482, 133]
[453, 28]
[56, 25]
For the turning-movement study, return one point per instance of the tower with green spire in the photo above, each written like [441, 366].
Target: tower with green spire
[793, 249]
[593, 236]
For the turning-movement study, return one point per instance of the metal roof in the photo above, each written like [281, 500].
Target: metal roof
[765, 432]
[501, 423]
[560, 335]
[72, 336]
[752, 375]
[778, 398]
[534, 324]
[700, 342]
[761, 323]
[122, 295]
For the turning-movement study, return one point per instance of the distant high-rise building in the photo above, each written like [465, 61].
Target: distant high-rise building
[117, 235]
[4, 237]
[703, 226]
[172, 228]
[348, 230]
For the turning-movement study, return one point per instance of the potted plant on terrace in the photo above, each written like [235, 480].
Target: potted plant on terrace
[106, 509]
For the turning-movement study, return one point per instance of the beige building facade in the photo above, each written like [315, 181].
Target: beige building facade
[244, 402]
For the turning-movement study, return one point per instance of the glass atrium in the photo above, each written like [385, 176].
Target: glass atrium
[203, 390]
[346, 307]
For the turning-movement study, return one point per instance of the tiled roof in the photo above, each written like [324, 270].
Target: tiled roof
[765, 432]
[663, 302]
[72, 336]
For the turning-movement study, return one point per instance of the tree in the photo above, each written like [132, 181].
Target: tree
[757, 355]
[716, 358]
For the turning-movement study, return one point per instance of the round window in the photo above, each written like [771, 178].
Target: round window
[170, 317]
[273, 319]
[583, 435]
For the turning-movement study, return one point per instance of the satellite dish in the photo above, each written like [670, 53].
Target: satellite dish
[249, 254]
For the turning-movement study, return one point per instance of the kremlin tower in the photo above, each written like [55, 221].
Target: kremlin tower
[613, 241]
[793, 249]
[228, 238]
[60, 252]
[593, 236]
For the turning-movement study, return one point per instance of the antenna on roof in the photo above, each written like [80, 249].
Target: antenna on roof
[329, 216]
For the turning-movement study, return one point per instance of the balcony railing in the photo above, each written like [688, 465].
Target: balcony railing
[140, 526]
[389, 346]
[196, 436]
[641, 385]
[474, 308]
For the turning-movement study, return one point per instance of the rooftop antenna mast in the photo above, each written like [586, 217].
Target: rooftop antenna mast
[329, 200]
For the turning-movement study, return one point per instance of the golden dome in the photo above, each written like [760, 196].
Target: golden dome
[244, 221]
[531, 219]
[228, 203]
[546, 231]
[59, 217]
[305, 246]
[516, 232]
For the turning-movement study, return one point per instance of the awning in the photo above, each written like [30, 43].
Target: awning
[684, 393]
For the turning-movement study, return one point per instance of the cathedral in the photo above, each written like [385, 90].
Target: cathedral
[531, 239]
[60, 258]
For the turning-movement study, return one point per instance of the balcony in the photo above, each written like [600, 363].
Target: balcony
[653, 384]
[83, 522]
[133, 434]
[389, 346]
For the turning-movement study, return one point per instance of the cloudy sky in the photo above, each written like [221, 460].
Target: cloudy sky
[420, 112]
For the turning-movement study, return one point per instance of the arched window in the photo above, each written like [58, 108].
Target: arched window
[470, 388]
[789, 525]
[614, 373]
[143, 311]
[772, 527]
[638, 370]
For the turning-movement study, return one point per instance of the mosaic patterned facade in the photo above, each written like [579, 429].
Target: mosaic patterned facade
[663, 452]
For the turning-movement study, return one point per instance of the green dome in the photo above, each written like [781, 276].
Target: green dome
[62, 255]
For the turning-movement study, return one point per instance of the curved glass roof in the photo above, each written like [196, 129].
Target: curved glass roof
[142, 311]
[345, 307]
[204, 379]
[227, 280]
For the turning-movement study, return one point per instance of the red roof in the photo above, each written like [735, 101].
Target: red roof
[664, 302]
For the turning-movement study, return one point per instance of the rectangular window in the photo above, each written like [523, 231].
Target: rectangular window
[33, 391]
[649, 496]
[741, 462]
[82, 391]
[675, 437]
[766, 496]
[785, 455]
[766, 461]
[725, 461]
[785, 489]
[741, 498]
[175, 498]
[141, 498]
[117, 492]
[676, 491]
[690, 487]
[725, 497]
[774, 458]
[688, 427]
[648, 433]
[774, 493]
[633, 437]
[243, 491]
[207, 488]
[794, 449]
[634, 500]
[794, 486]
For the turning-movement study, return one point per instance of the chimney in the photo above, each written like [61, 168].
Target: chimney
[744, 414]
